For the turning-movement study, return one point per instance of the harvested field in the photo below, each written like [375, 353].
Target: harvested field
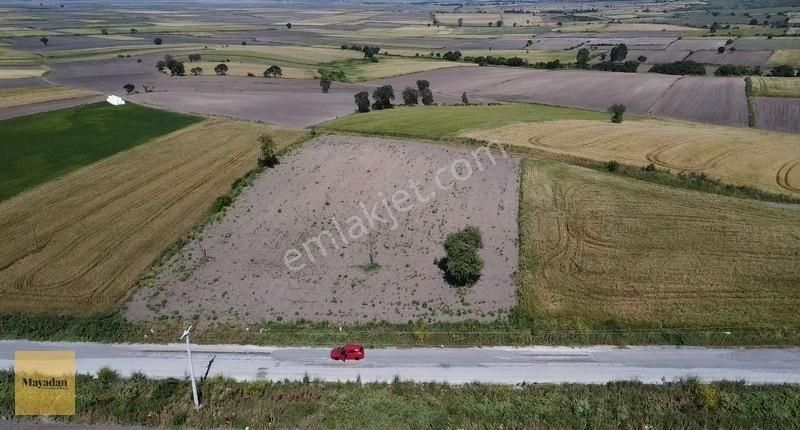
[244, 276]
[762, 43]
[764, 160]
[474, 19]
[702, 44]
[776, 87]
[257, 69]
[741, 58]
[81, 242]
[22, 72]
[288, 54]
[659, 56]
[785, 56]
[713, 100]
[41, 147]
[24, 96]
[600, 249]
[779, 114]
[389, 67]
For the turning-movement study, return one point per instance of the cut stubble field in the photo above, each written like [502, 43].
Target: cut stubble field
[764, 160]
[601, 250]
[80, 243]
[22, 96]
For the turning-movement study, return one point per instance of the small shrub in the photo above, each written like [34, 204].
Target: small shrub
[613, 165]
[463, 264]
[221, 203]
[268, 157]
[617, 110]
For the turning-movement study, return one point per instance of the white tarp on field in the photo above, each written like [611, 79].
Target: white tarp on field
[115, 100]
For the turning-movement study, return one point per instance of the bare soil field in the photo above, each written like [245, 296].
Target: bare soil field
[704, 44]
[602, 249]
[760, 159]
[712, 100]
[235, 270]
[741, 58]
[779, 114]
[583, 89]
[79, 243]
[659, 56]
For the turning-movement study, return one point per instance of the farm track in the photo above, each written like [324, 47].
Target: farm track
[80, 242]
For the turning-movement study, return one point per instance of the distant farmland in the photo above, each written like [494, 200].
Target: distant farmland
[739, 156]
[713, 100]
[599, 250]
[40, 147]
[79, 243]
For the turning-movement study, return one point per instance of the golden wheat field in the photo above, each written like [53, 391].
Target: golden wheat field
[77, 245]
[776, 87]
[596, 247]
[23, 96]
[765, 160]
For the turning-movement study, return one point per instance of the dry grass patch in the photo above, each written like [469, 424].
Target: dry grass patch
[598, 248]
[79, 243]
[22, 72]
[388, 67]
[785, 56]
[23, 96]
[776, 87]
[764, 160]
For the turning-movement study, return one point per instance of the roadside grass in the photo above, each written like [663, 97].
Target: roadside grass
[108, 399]
[40, 147]
[437, 122]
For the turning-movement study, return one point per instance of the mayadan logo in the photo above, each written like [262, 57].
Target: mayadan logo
[44, 383]
[52, 383]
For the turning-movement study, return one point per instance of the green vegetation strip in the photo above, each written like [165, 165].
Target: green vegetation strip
[138, 400]
[436, 122]
[41, 147]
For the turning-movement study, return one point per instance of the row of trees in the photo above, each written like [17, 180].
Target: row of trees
[384, 95]
[369, 51]
[684, 67]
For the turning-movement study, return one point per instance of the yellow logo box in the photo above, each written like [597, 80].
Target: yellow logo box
[44, 383]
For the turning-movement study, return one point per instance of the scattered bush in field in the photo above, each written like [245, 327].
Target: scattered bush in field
[383, 96]
[617, 110]
[196, 71]
[463, 264]
[325, 83]
[686, 67]
[619, 52]
[410, 96]
[423, 84]
[783, 70]
[44, 40]
[268, 157]
[174, 66]
[129, 88]
[195, 57]
[612, 166]
[721, 50]
[104, 31]
[221, 203]
[452, 56]
[158, 41]
[273, 71]
[464, 98]
[362, 101]
[289, 25]
[583, 58]
[735, 70]
[641, 58]
[221, 69]
[250, 75]
[134, 31]
[609, 66]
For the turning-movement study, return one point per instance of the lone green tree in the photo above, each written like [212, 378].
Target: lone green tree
[383, 97]
[129, 88]
[424, 88]
[325, 83]
[583, 58]
[196, 71]
[221, 69]
[158, 41]
[617, 110]
[44, 40]
[273, 71]
[463, 264]
[362, 101]
[268, 157]
[619, 52]
[410, 96]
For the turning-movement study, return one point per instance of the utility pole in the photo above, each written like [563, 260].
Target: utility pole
[191, 367]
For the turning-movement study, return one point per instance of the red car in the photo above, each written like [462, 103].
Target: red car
[351, 351]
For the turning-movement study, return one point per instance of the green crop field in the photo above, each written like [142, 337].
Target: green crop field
[435, 122]
[38, 148]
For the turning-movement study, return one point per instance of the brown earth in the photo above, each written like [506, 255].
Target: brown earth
[778, 113]
[235, 271]
[712, 100]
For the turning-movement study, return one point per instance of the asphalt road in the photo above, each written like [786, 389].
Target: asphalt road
[597, 364]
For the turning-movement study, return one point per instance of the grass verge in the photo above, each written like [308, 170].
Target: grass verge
[138, 400]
